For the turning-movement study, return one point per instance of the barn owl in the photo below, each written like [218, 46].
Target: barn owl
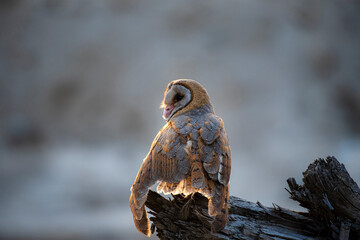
[191, 153]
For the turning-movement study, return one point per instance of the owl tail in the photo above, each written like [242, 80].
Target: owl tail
[219, 208]
[219, 222]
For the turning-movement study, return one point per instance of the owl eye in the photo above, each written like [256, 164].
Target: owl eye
[179, 97]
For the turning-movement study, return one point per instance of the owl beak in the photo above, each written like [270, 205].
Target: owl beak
[168, 110]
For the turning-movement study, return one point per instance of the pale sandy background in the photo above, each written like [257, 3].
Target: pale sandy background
[81, 84]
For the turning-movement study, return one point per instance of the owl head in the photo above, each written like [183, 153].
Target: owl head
[181, 96]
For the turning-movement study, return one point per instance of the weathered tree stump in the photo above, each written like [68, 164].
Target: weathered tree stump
[329, 193]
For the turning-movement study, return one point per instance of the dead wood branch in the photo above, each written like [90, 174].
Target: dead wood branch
[329, 193]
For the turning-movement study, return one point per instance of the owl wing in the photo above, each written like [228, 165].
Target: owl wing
[214, 149]
[165, 162]
[215, 155]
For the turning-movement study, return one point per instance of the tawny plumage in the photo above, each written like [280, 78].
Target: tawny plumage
[191, 153]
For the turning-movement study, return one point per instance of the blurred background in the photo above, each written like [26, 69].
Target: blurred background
[81, 83]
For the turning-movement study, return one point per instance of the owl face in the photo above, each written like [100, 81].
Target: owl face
[176, 98]
[179, 97]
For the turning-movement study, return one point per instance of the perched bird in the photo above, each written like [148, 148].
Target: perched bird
[191, 153]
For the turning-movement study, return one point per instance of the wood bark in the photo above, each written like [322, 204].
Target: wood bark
[329, 194]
